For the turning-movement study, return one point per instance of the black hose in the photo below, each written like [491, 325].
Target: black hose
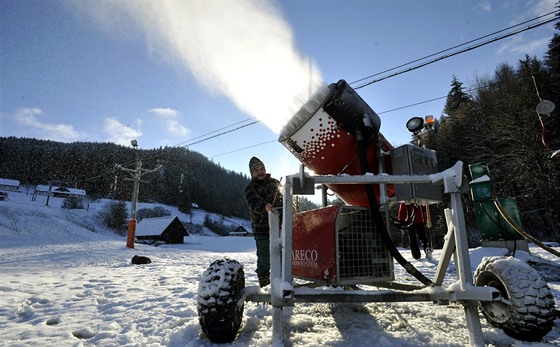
[378, 219]
[522, 232]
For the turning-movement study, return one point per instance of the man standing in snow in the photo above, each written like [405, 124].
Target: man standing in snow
[414, 218]
[262, 195]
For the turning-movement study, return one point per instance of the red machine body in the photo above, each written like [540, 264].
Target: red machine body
[339, 245]
[320, 136]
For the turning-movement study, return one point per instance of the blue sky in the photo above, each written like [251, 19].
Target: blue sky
[175, 72]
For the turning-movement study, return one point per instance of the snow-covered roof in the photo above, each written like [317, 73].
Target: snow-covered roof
[62, 190]
[9, 182]
[153, 226]
[483, 178]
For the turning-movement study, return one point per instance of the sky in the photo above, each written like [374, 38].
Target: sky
[69, 281]
[223, 77]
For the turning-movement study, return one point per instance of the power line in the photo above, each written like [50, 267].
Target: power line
[222, 133]
[241, 149]
[456, 53]
[450, 48]
[211, 137]
[214, 131]
[415, 104]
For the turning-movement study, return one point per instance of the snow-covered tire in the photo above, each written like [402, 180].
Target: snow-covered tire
[220, 311]
[527, 310]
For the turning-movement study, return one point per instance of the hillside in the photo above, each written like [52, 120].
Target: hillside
[21, 219]
[184, 177]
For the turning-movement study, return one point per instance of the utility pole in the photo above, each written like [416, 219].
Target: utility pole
[136, 174]
[49, 193]
[50, 190]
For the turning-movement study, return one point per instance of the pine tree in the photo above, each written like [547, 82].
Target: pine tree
[552, 59]
[456, 97]
[456, 127]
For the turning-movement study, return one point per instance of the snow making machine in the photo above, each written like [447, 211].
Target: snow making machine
[336, 135]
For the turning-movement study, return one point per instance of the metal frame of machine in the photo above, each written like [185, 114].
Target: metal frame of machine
[283, 293]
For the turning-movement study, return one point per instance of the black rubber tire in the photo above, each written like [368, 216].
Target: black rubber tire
[528, 311]
[219, 311]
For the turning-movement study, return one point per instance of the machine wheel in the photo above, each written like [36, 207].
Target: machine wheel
[526, 311]
[219, 311]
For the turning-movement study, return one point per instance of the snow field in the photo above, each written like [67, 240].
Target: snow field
[67, 281]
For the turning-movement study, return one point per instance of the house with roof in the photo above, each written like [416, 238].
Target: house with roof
[162, 229]
[9, 185]
[240, 231]
[60, 191]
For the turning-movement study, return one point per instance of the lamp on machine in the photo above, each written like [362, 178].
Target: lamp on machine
[429, 123]
[415, 124]
[546, 107]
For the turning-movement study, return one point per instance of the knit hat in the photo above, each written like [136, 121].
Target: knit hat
[254, 163]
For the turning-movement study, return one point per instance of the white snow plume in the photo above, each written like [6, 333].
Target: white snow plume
[244, 50]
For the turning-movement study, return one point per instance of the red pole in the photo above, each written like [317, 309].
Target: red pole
[131, 233]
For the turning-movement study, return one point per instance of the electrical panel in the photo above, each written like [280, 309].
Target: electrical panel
[414, 160]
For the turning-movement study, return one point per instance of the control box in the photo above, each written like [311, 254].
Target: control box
[414, 160]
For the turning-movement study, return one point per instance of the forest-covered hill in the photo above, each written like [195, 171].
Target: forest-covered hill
[185, 177]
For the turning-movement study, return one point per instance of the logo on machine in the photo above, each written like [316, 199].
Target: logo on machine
[305, 257]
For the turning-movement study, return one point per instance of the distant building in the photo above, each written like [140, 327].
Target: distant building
[59, 191]
[240, 231]
[9, 185]
[166, 229]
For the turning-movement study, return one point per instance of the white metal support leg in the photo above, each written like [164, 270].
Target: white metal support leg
[464, 271]
[287, 230]
[280, 262]
[275, 275]
[447, 250]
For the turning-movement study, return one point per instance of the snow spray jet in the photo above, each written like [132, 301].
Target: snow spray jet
[244, 50]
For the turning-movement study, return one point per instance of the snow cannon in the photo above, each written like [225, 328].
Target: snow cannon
[323, 135]
[324, 255]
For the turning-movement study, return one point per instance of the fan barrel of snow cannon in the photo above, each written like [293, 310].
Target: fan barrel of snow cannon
[321, 135]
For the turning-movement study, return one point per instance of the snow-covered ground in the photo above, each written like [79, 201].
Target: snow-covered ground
[68, 281]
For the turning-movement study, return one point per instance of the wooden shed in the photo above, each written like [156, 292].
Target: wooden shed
[59, 191]
[163, 229]
[9, 185]
[240, 231]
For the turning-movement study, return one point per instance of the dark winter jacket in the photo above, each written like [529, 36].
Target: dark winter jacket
[258, 194]
[406, 212]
